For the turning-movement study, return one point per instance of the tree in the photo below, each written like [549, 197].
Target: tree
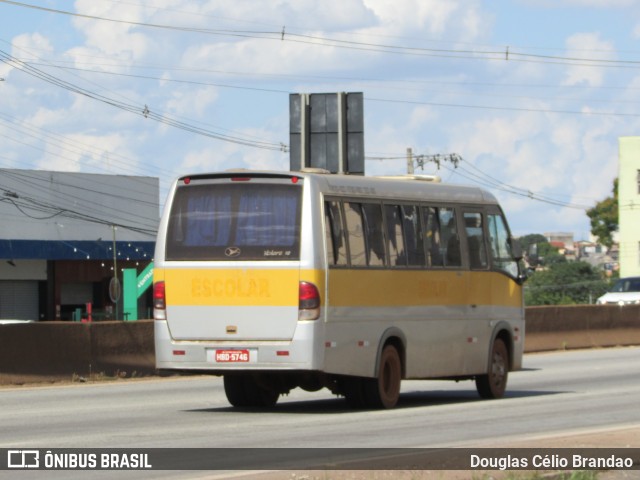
[604, 217]
[538, 250]
[565, 283]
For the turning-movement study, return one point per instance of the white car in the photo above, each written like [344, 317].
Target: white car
[626, 291]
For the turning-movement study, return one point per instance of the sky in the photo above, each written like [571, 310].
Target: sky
[532, 95]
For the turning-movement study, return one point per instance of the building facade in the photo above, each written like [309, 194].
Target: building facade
[64, 234]
[629, 206]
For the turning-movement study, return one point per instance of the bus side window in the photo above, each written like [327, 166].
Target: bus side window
[372, 213]
[412, 235]
[395, 240]
[355, 234]
[336, 247]
[449, 237]
[475, 240]
[501, 256]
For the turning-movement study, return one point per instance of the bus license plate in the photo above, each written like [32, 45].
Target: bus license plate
[232, 356]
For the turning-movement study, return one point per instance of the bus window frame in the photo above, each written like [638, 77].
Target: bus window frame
[386, 229]
[328, 214]
[420, 207]
[457, 222]
[419, 238]
[517, 275]
[482, 211]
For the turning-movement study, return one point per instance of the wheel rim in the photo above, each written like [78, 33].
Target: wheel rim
[389, 377]
[499, 367]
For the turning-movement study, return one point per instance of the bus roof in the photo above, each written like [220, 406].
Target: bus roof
[397, 187]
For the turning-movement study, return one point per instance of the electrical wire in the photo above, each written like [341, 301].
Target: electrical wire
[23, 204]
[479, 177]
[145, 111]
[80, 149]
[506, 53]
[386, 85]
[512, 109]
[36, 183]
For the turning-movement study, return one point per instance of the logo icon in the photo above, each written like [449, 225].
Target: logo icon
[23, 458]
[232, 251]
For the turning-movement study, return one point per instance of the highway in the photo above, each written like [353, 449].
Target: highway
[559, 393]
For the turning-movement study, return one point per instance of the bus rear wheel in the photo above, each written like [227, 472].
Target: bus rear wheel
[384, 391]
[248, 391]
[494, 383]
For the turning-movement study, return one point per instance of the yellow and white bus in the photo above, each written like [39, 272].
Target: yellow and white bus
[278, 280]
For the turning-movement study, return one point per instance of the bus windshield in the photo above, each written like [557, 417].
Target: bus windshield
[241, 221]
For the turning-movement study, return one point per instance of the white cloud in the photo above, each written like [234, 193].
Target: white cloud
[566, 159]
[573, 157]
[220, 157]
[101, 153]
[110, 38]
[24, 45]
[429, 18]
[587, 46]
[609, 4]
[420, 116]
[191, 102]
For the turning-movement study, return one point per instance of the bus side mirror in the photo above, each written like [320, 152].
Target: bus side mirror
[518, 255]
[516, 249]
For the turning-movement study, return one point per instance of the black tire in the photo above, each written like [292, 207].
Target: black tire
[494, 383]
[384, 391]
[247, 391]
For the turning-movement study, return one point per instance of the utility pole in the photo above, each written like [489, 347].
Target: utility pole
[437, 158]
[115, 292]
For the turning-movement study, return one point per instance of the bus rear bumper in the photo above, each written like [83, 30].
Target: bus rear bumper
[219, 357]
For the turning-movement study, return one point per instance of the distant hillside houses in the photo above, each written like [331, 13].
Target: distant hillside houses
[589, 251]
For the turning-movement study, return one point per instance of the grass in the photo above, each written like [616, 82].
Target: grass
[577, 475]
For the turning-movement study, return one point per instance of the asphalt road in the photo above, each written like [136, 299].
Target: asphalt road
[557, 393]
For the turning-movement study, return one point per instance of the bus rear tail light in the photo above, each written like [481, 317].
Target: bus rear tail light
[309, 302]
[159, 301]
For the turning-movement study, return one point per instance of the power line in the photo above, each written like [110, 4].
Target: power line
[147, 113]
[420, 81]
[102, 196]
[49, 211]
[143, 111]
[504, 53]
[512, 109]
[147, 5]
[385, 86]
[482, 178]
[76, 147]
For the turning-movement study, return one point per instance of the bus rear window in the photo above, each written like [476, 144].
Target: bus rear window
[241, 221]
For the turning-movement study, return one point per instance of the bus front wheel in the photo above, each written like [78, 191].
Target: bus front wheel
[494, 383]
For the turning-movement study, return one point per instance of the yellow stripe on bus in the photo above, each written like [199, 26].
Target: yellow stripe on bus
[231, 287]
[347, 287]
[399, 288]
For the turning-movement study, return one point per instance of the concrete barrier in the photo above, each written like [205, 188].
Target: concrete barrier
[51, 351]
[581, 326]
